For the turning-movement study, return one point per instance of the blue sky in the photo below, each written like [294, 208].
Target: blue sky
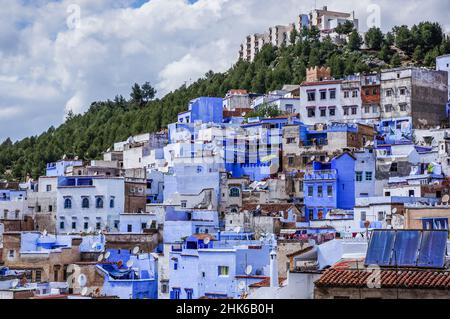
[50, 65]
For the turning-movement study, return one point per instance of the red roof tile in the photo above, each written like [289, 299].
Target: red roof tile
[390, 278]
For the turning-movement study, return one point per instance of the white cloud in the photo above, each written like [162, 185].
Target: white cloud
[47, 68]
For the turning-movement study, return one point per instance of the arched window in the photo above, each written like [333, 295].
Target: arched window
[235, 192]
[85, 203]
[99, 202]
[67, 203]
[111, 202]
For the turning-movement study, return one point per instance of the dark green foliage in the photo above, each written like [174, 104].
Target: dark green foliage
[374, 38]
[106, 122]
[265, 111]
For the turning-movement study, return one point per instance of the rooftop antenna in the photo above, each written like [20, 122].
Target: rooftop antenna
[446, 199]
[129, 264]
[82, 280]
[206, 241]
[136, 250]
[107, 254]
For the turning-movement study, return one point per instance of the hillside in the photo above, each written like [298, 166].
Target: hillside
[106, 122]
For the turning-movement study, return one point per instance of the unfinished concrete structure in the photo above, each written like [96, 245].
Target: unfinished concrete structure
[420, 94]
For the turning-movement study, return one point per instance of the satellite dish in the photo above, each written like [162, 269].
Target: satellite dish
[107, 254]
[129, 263]
[14, 283]
[446, 199]
[206, 241]
[44, 233]
[237, 229]
[84, 291]
[394, 210]
[100, 258]
[242, 285]
[82, 280]
[367, 143]
[248, 270]
[136, 250]
[327, 159]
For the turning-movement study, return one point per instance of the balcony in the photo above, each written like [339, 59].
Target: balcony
[321, 175]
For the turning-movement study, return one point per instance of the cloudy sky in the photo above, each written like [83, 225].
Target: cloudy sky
[61, 55]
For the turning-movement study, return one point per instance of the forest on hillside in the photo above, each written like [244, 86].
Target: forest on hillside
[88, 135]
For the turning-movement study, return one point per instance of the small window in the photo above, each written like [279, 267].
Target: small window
[311, 112]
[354, 110]
[235, 192]
[380, 216]
[330, 190]
[74, 225]
[49, 188]
[359, 176]
[363, 216]
[332, 112]
[403, 107]
[369, 176]
[98, 225]
[346, 94]
[291, 161]
[67, 203]
[61, 225]
[319, 191]
[332, 94]
[50, 208]
[223, 270]
[346, 111]
[323, 95]
[183, 204]
[11, 253]
[311, 96]
[323, 112]
[85, 202]
[290, 140]
[411, 193]
[99, 202]
[310, 191]
[402, 91]
[86, 225]
[116, 224]
[111, 202]
[394, 167]
[355, 93]
[38, 276]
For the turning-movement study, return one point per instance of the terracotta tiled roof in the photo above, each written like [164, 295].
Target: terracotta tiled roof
[266, 282]
[237, 112]
[390, 278]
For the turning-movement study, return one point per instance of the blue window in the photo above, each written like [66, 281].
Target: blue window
[175, 265]
[85, 202]
[189, 293]
[67, 203]
[111, 202]
[99, 202]
[235, 192]
[175, 293]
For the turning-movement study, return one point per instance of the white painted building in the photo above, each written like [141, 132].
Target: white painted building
[89, 204]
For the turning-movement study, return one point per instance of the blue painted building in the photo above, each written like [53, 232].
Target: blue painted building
[59, 168]
[204, 109]
[139, 281]
[257, 153]
[217, 269]
[330, 186]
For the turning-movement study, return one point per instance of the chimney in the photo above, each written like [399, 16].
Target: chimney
[325, 8]
[273, 268]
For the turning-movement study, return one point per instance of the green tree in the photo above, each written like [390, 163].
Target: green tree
[148, 92]
[137, 95]
[374, 38]
[354, 41]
